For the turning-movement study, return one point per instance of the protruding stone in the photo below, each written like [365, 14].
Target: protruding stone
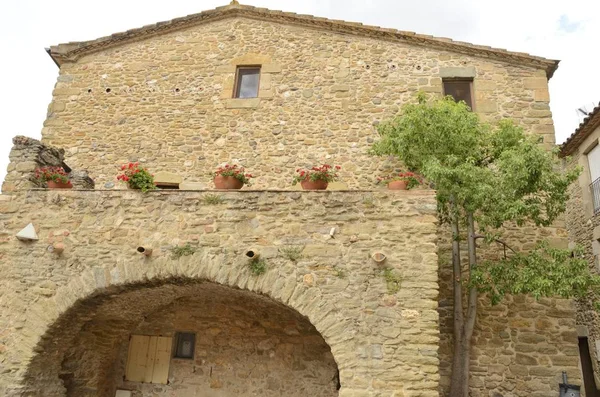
[28, 233]
[164, 178]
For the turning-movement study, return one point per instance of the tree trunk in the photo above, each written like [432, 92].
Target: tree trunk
[463, 326]
[459, 383]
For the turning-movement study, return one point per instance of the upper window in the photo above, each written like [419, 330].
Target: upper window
[185, 345]
[247, 79]
[460, 90]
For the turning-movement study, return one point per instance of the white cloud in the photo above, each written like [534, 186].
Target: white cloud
[566, 30]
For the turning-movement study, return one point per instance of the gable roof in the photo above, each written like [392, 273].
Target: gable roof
[587, 126]
[70, 52]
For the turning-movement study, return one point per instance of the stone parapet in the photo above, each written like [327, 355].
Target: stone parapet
[384, 339]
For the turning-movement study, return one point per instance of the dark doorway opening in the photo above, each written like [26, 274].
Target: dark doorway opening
[588, 370]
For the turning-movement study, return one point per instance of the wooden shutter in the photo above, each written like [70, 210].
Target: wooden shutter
[148, 359]
[160, 374]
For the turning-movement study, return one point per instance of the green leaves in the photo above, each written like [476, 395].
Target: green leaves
[501, 176]
[496, 172]
[543, 272]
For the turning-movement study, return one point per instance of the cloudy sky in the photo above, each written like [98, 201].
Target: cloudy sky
[559, 29]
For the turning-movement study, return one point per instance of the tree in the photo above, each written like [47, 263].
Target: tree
[487, 176]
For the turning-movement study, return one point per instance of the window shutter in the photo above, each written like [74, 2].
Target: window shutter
[136, 358]
[148, 359]
[161, 362]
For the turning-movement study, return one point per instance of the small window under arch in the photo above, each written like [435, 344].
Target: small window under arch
[186, 343]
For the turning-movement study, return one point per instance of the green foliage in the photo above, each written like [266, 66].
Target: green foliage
[186, 250]
[326, 172]
[137, 177]
[291, 252]
[543, 272]
[340, 273]
[142, 180]
[412, 180]
[369, 201]
[235, 171]
[212, 199]
[392, 280]
[496, 174]
[257, 267]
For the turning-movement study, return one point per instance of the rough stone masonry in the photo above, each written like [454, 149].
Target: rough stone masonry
[162, 95]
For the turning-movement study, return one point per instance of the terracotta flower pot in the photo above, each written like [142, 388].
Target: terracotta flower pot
[314, 185]
[59, 185]
[397, 185]
[227, 182]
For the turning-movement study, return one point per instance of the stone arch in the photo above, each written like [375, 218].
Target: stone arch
[63, 318]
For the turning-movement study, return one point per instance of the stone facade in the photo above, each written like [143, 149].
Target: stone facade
[79, 308]
[164, 99]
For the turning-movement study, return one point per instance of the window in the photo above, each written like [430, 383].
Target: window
[185, 345]
[246, 82]
[459, 89]
[148, 359]
[593, 158]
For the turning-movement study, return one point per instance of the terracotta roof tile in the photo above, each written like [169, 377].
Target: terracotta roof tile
[72, 51]
[587, 126]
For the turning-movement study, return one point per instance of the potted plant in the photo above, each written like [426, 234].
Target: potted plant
[137, 177]
[55, 177]
[401, 181]
[231, 177]
[316, 178]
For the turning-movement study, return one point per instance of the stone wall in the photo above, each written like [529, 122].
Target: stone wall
[584, 231]
[384, 342]
[166, 101]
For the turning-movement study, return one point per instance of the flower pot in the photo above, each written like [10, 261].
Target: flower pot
[397, 185]
[227, 182]
[59, 185]
[314, 185]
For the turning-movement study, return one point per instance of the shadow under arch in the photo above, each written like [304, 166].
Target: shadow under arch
[143, 289]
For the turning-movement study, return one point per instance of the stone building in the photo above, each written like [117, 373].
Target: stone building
[582, 149]
[84, 314]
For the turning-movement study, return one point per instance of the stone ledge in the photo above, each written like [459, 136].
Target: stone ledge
[403, 193]
[236, 103]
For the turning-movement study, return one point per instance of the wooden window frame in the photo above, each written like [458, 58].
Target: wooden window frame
[237, 82]
[176, 346]
[469, 80]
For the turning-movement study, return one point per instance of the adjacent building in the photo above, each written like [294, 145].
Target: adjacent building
[581, 149]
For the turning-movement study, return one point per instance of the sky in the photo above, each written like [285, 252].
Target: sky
[555, 29]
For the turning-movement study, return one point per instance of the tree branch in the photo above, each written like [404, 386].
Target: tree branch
[457, 273]
[497, 240]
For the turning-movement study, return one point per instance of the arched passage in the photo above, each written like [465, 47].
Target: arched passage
[142, 288]
[246, 344]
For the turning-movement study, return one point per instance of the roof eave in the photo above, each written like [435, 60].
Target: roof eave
[70, 52]
[585, 129]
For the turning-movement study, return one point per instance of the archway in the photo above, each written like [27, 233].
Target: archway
[245, 344]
